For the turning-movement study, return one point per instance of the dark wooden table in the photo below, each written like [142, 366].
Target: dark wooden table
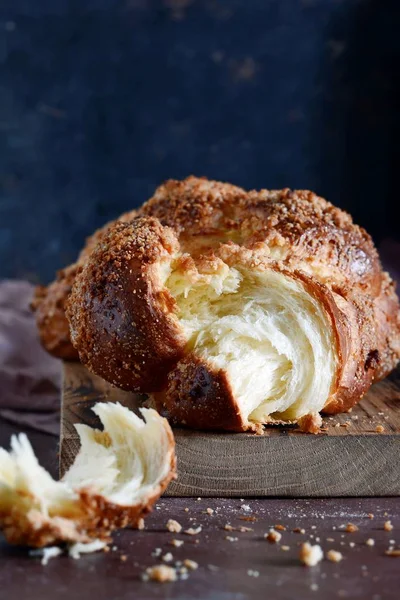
[365, 572]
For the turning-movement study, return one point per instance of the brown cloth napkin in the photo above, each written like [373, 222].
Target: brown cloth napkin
[29, 377]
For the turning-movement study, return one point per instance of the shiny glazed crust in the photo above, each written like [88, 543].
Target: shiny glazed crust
[123, 319]
[49, 302]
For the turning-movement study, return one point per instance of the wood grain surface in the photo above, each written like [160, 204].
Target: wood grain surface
[349, 459]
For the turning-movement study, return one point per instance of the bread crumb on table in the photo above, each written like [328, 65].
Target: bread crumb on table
[310, 555]
[231, 539]
[351, 528]
[299, 530]
[393, 553]
[209, 511]
[192, 530]
[273, 536]
[176, 543]
[280, 527]
[380, 429]
[334, 556]
[370, 542]
[140, 524]
[310, 423]
[370, 516]
[190, 564]
[285, 548]
[252, 573]
[387, 526]
[160, 573]
[173, 526]
[168, 557]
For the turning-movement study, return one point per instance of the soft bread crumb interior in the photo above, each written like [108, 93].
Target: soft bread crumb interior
[271, 336]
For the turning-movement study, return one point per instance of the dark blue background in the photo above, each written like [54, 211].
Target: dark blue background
[102, 100]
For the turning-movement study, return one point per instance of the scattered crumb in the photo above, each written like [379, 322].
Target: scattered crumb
[387, 526]
[160, 573]
[330, 539]
[351, 528]
[156, 552]
[313, 527]
[346, 424]
[317, 539]
[310, 555]
[351, 544]
[78, 548]
[251, 518]
[273, 536]
[174, 526]
[310, 423]
[123, 557]
[392, 552]
[370, 542]
[168, 557]
[176, 543]
[228, 527]
[140, 524]
[334, 556]
[392, 542]
[186, 509]
[209, 511]
[231, 539]
[285, 548]
[314, 587]
[198, 499]
[190, 564]
[380, 429]
[299, 530]
[370, 516]
[46, 553]
[192, 531]
[246, 507]
[337, 424]
[252, 573]
[243, 529]
[281, 527]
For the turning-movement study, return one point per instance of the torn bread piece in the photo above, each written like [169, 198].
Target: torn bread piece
[117, 476]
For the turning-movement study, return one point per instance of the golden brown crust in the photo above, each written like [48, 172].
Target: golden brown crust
[200, 397]
[49, 306]
[49, 303]
[123, 319]
[120, 314]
